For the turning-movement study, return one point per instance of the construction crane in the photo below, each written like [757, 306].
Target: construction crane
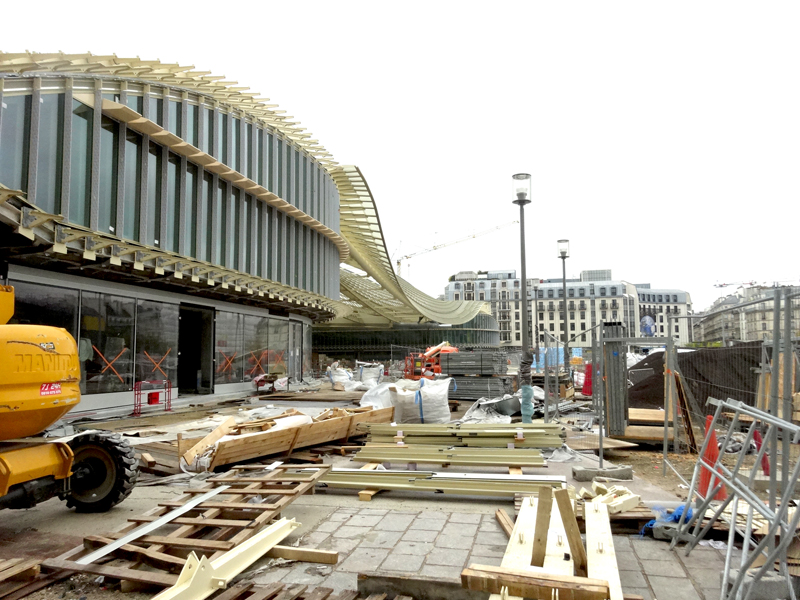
[458, 241]
[737, 283]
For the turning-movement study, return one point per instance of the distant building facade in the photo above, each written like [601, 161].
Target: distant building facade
[594, 298]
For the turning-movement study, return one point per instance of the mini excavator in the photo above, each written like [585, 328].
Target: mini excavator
[39, 384]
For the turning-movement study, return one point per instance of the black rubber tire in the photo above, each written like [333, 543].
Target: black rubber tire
[114, 472]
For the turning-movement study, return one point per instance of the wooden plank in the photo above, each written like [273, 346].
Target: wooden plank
[148, 577]
[199, 521]
[505, 522]
[326, 557]
[557, 547]
[516, 470]
[256, 491]
[225, 505]
[24, 570]
[292, 592]
[537, 585]
[7, 564]
[221, 431]
[544, 505]
[184, 543]
[645, 433]
[367, 495]
[319, 593]
[159, 560]
[235, 591]
[600, 548]
[573, 532]
[264, 592]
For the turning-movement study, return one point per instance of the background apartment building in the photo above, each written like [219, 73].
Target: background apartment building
[595, 297]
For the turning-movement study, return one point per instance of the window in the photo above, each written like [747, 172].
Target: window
[583, 326]
[676, 329]
[48, 172]
[603, 314]
[229, 347]
[106, 338]
[516, 283]
[516, 305]
[660, 318]
[660, 298]
[36, 304]
[541, 316]
[516, 295]
[15, 140]
[602, 291]
[540, 293]
[571, 292]
[572, 326]
[549, 293]
[591, 289]
[80, 181]
[613, 291]
[560, 293]
[256, 346]
[551, 315]
[456, 296]
[107, 200]
[156, 341]
[154, 161]
[613, 314]
[572, 315]
[583, 314]
[552, 327]
[517, 336]
[763, 326]
[516, 315]
[481, 296]
[582, 292]
[457, 286]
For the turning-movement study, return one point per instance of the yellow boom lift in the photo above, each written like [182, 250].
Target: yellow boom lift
[39, 384]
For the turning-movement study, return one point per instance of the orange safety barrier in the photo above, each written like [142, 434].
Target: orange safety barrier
[110, 365]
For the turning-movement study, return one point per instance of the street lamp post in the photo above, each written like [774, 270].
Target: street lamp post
[563, 253]
[522, 196]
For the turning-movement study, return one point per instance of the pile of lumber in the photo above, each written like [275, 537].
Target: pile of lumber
[232, 442]
[546, 556]
[487, 457]
[474, 363]
[477, 387]
[472, 484]
[480, 435]
[617, 498]
[15, 572]
[223, 526]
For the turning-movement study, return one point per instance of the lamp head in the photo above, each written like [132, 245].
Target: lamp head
[563, 248]
[521, 188]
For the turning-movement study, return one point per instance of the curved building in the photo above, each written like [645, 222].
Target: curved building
[180, 227]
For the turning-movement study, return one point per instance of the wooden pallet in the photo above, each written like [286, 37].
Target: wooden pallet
[210, 529]
[15, 573]
[630, 521]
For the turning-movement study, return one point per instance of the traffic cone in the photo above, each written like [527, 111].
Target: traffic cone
[707, 480]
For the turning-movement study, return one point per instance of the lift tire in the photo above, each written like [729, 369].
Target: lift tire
[104, 471]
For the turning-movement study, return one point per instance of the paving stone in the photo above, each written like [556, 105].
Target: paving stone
[443, 573]
[632, 579]
[427, 524]
[350, 532]
[621, 543]
[710, 593]
[315, 538]
[662, 567]
[406, 563]
[671, 587]
[492, 539]
[643, 592]
[460, 529]
[373, 512]
[340, 581]
[627, 561]
[306, 574]
[653, 550]
[492, 561]
[363, 559]
[473, 518]
[394, 522]
[381, 539]
[706, 578]
[447, 557]
[436, 515]
[486, 550]
[419, 535]
[342, 514]
[416, 548]
[329, 526]
[702, 559]
[271, 576]
[364, 520]
[490, 527]
[343, 546]
[462, 542]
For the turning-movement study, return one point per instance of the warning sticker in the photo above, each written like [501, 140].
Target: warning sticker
[50, 389]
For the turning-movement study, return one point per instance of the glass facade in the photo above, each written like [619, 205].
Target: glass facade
[36, 304]
[229, 333]
[156, 341]
[101, 174]
[106, 343]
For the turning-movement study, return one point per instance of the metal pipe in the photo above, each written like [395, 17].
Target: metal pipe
[546, 379]
[566, 315]
[773, 404]
[601, 404]
[525, 378]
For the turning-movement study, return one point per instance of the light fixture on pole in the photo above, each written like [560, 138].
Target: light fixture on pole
[563, 254]
[521, 187]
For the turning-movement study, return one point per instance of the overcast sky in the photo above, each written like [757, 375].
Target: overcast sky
[662, 138]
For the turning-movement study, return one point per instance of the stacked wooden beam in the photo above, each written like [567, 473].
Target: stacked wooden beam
[485, 435]
[474, 363]
[477, 387]
[491, 457]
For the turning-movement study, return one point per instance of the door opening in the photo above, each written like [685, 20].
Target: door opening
[196, 342]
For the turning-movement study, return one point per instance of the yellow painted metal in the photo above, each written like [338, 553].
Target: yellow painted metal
[202, 577]
[27, 463]
[6, 303]
[39, 377]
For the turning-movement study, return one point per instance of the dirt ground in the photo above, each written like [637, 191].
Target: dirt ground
[647, 464]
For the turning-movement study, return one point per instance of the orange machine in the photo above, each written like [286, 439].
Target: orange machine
[39, 384]
[424, 365]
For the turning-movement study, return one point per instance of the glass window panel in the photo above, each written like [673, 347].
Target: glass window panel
[261, 234]
[307, 365]
[222, 142]
[229, 347]
[253, 152]
[270, 165]
[111, 96]
[248, 243]
[154, 162]
[236, 136]
[109, 153]
[169, 238]
[157, 341]
[192, 213]
[220, 222]
[191, 124]
[175, 117]
[156, 109]
[269, 233]
[133, 185]
[36, 304]
[51, 144]
[280, 248]
[80, 181]
[136, 103]
[208, 131]
[232, 246]
[106, 343]
[295, 362]
[278, 346]
[206, 204]
[256, 347]
[280, 179]
[259, 158]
